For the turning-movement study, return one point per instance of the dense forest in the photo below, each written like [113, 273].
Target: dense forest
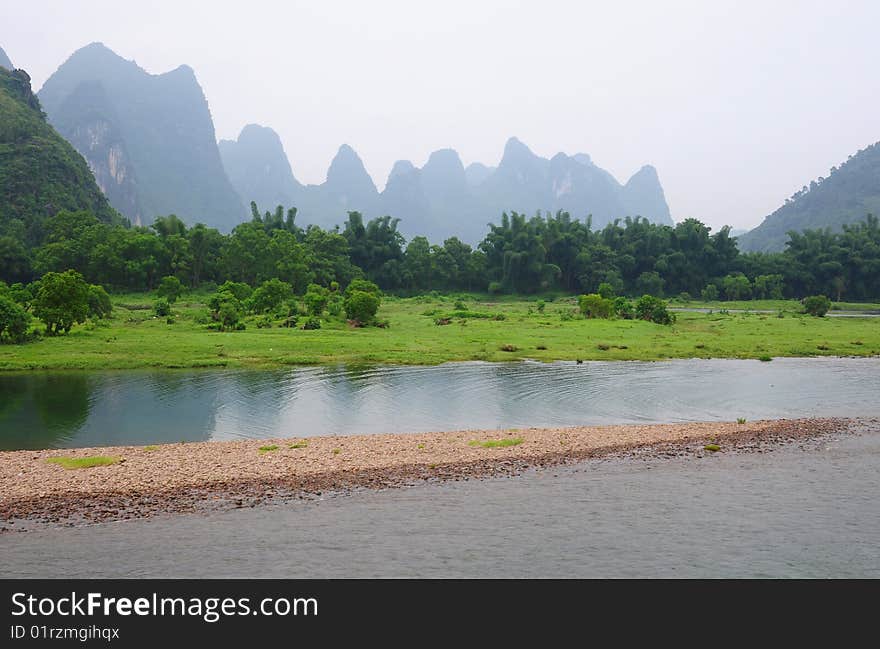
[518, 255]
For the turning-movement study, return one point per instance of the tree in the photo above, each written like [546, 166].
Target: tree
[14, 320]
[650, 283]
[817, 305]
[710, 293]
[226, 310]
[654, 310]
[361, 307]
[316, 299]
[736, 286]
[99, 302]
[62, 301]
[606, 290]
[270, 295]
[595, 306]
[170, 288]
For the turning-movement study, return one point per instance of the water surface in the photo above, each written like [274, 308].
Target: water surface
[95, 408]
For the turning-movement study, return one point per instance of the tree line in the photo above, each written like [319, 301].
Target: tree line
[521, 255]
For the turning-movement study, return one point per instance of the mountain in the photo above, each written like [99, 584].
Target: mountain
[40, 172]
[258, 168]
[443, 198]
[847, 195]
[148, 138]
[4, 61]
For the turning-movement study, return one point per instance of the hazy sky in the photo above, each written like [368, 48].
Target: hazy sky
[738, 104]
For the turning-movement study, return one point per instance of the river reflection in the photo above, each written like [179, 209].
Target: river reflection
[70, 409]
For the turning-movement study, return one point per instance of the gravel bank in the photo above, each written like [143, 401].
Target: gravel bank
[211, 475]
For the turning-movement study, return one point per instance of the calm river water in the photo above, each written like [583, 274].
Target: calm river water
[58, 410]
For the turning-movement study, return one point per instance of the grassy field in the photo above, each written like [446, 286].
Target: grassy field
[134, 338]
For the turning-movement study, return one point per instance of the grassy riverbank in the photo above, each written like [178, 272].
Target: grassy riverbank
[133, 337]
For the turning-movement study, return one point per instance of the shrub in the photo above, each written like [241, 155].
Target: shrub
[460, 306]
[817, 305]
[624, 308]
[541, 305]
[495, 288]
[226, 309]
[312, 323]
[316, 299]
[268, 296]
[684, 297]
[361, 307]
[654, 310]
[595, 306]
[290, 321]
[170, 288]
[162, 308]
[737, 287]
[99, 302]
[14, 320]
[264, 322]
[21, 293]
[62, 301]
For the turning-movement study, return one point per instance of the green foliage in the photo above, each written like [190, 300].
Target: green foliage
[316, 299]
[653, 310]
[335, 305]
[736, 286]
[226, 309]
[817, 305]
[41, 174]
[312, 323]
[269, 296]
[606, 291]
[497, 443]
[62, 301]
[99, 302]
[240, 290]
[541, 305]
[361, 307]
[594, 305]
[14, 321]
[364, 286]
[624, 308]
[709, 293]
[162, 307]
[170, 288]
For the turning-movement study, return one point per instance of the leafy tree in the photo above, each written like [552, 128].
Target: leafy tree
[606, 290]
[62, 301]
[170, 288]
[361, 307]
[654, 310]
[316, 299]
[226, 310]
[624, 308]
[14, 321]
[736, 286]
[240, 290]
[817, 305]
[270, 295]
[362, 285]
[709, 293]
[99, 302]
[594, 305]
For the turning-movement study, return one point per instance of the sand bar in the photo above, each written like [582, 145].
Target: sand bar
[198, 476]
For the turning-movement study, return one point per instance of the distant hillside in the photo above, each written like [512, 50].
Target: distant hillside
[40, 172]
[148, 138]
[4, 60]
[258, 168]
[442, 198]
[845, 196]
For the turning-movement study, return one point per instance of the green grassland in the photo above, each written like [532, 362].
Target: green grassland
[134, 338]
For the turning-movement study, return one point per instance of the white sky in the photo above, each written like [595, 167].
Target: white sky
[737, 103]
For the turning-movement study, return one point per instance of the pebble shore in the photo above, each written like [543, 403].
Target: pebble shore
[205, 476]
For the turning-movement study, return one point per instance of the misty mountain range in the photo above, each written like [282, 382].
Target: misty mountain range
[150, 143]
